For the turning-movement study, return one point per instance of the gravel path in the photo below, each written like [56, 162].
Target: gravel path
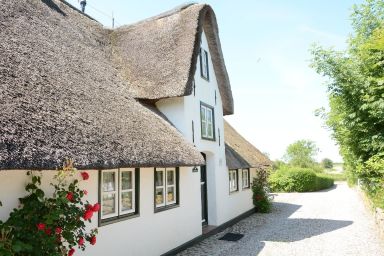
[327, 223]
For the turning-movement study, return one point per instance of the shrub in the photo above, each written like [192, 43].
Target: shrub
[327, 163]
[260, 197]
[296, 179]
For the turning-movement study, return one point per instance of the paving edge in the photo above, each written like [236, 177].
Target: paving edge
[210, 233]
[378, 213]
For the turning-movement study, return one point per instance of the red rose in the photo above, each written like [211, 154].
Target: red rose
[70, 196]
[71, 252]
[81, 241]
[85, 175]
[88, 214]
[40, 226]
[85, 192]
[96, 207]
[58, 230]
[48, 231]
[93, 240]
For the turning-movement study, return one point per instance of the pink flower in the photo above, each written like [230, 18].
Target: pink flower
[88, 214]
[93, 240]
[71, 252]
[40, 226]
[81, 241]
[70, 196]
[85, 192]
[85, 175]
[58, 230]
[96, 207]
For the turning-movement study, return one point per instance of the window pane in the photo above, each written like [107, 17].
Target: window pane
[126, 201]
[159, 178]
[209, 115]
[202, 111]
[170, 177]
[159, 196]
[109, 206]
[210, 131]
[126, 180]
[170, 194]
[109, 181]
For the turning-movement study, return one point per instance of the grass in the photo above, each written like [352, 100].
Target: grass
[334, 176]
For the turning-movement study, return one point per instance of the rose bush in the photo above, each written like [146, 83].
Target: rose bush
[55, 225]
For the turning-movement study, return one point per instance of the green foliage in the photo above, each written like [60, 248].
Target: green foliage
[296, 179]
[327, 163]
[301, 153]
[334, 176]
[48, 225]
[356, 92]
[260, 196]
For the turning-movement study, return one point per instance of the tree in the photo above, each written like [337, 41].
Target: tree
[301, 153]
[356, 89]
[327, 163]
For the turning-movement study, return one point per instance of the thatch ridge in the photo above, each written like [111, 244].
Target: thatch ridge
[247, 152]
[158, 56]
[61, 97]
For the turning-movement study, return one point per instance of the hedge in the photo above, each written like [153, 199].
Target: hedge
[295, 179]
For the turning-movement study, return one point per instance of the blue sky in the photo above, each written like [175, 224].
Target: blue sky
[265, 45]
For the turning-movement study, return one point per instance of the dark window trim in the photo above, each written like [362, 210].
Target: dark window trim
[166, 207]
[237, 180]
[193, 132]
[194, 87]
[104, 222]
[249, 178]
[218, 130]
[213, 122]
[201, 63]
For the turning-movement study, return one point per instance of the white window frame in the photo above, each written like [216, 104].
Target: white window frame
[132, 171]
[118, 193]
[204, 64]
[245, 178]
[165, 187]
[233, 180]
[208, 119]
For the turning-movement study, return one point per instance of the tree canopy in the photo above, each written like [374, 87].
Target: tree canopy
[301, 153]
[356, 88]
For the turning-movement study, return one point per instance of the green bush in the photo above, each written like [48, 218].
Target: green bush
[296, 179]
[260, 196]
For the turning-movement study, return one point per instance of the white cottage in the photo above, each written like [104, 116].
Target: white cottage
[143, 103]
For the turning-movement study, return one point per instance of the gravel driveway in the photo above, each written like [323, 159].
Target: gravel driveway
[333, 222]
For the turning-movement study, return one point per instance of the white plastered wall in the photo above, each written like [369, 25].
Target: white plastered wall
[182, 111]
[148, 234]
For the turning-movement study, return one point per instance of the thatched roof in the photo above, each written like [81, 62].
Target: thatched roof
[158, 55]
[246, 155]
[60, 96]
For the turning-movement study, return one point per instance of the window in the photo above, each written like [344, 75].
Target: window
[245, 178]
[233, 175]
[204, 68]
[207, 122]
[118, 193]
[166, 188]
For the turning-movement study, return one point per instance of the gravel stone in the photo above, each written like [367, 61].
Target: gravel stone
[333, 222]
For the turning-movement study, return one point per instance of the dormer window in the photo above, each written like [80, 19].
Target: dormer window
[204, 68]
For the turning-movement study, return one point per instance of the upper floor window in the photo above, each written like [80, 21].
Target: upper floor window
[204, 67]
[245, 178]
[233, 183]
[118, 193]
[166, 188]
[207, 122]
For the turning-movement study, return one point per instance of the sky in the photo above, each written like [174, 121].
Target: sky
[266, 51]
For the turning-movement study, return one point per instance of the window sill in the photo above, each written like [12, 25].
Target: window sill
[205, 78]
[233, 192]
[105, 222]
[164, 208]
[246, 188]
[203, 138]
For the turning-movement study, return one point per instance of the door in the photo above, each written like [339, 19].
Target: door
[203, 184]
